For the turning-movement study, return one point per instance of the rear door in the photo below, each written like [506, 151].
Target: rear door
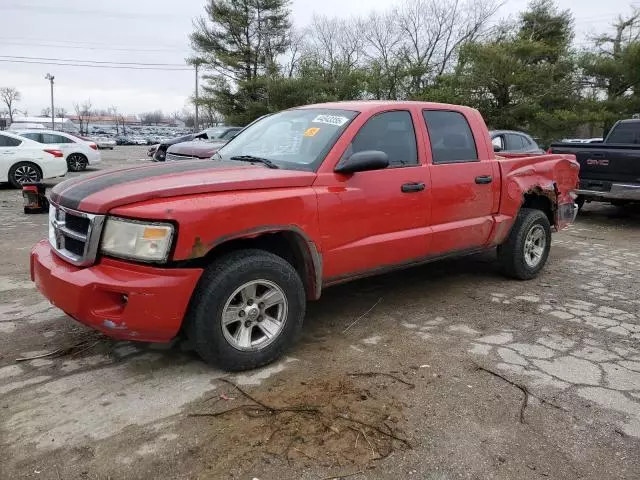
[465, 189]
[60, 141]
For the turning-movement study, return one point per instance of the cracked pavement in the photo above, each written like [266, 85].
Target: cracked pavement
[571, 337]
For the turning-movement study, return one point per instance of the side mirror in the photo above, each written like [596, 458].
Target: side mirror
[497, 148]
[363, 161]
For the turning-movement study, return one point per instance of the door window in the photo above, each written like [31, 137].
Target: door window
[36, 137]
[391, 133]
[498, 142]
[53, 138]
[9, 141]
[450, 136]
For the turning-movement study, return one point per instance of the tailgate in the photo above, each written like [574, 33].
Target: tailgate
[601, 165]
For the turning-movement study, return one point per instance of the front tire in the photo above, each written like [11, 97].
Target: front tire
[76, 162]
[24, 172]
[525, 252]
[247, 310]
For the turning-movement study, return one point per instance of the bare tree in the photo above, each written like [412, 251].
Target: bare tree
[294, 55]
[61, 112]
[83, 112]
[434, 30]
[152, 118]
[9, 97]
[46, 112]
[382, 49]
[113, 111]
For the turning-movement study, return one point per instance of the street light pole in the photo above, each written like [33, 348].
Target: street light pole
[53, 114]
[196, 100]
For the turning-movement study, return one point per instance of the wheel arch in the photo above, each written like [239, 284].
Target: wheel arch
[544, 200]
[29, 162]
[288, 242]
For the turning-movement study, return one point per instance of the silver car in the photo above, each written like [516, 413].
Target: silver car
[511, 141]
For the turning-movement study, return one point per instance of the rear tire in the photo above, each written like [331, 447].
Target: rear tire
[76, 162]
[232, 322]
[526, 249]
[24, 172]
[580, 202]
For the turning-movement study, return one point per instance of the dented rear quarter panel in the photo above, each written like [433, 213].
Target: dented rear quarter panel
[554, 176]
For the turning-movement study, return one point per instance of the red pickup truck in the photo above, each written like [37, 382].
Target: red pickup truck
[228, 251]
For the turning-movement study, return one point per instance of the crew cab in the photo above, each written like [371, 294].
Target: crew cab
[609, 170]
[228, 251]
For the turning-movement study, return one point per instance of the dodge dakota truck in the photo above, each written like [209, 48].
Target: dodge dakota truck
[609, 170]
[228, 251]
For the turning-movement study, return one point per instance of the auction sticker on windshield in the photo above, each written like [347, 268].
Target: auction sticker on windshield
[331, 120]
[311, 132]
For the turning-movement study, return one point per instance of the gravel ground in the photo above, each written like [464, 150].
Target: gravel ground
[439, 372]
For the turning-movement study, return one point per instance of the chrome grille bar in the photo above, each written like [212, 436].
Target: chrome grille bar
[76, 247]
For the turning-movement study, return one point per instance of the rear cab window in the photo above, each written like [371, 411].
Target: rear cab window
[450, 136]
[625, 133]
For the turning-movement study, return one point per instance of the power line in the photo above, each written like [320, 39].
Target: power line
[165, 69]
[79, 47]
[93, 61]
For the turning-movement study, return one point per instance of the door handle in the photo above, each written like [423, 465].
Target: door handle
[484, 179]
[412, 187]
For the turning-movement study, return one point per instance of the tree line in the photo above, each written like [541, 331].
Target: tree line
[523, 73]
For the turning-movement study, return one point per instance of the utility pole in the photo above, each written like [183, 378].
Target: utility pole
[53, 114]
[196, 123]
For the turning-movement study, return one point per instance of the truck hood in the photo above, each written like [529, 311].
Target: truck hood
[108, 189]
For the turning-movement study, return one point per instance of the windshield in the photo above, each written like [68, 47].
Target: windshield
[213, 133]
[293, 139]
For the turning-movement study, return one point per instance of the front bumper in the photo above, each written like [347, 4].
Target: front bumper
[121, 299]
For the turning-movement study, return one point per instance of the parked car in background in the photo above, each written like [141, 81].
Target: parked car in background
[105, 143]
[510, 141]
[26, 161]
[79, 152]
[215, 133]
[228, 252]
[609, 170]
[194, 150]
[152, 150]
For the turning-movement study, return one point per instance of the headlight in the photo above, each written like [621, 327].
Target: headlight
[137, 240]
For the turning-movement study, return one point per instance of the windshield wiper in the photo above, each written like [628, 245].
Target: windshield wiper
[251, 158]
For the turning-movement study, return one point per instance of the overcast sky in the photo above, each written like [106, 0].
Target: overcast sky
[156, 32]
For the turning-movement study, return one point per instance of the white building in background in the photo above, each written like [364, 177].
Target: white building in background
[61, 124]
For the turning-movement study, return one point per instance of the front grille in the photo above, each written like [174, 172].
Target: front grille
[74, 236]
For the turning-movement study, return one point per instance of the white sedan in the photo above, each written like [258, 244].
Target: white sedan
[78, 152]
[25, 161]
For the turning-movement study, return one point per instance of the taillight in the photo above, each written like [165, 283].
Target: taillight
[94, 146]
[55, 153]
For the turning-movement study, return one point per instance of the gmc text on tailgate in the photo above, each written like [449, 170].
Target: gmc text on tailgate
[228, 251]
[609, 171]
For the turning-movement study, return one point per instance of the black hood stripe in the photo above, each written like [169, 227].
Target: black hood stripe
[73, 195]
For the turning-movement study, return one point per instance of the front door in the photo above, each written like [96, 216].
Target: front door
[465, 188]
[376, 219]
